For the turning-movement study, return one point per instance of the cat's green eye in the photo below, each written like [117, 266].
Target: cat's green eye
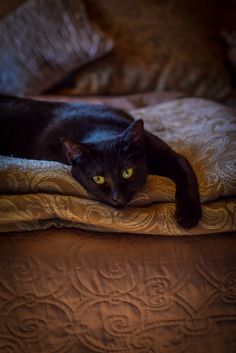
[127, 173]
[99, 179]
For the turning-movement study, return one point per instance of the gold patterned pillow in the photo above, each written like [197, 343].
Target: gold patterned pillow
[158, 45]
[39, 194]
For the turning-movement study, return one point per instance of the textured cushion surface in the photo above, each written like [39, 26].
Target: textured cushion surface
[158, 45]
[42, 41]
[38, 194]
[78, 292]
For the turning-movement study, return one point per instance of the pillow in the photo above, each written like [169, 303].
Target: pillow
[40, 194]
[42, 41]
[158, 45]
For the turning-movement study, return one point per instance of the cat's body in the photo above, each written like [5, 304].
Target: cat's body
[111, 154]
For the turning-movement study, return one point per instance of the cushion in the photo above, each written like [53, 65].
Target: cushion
[38, 195]
[69, 291]
[158, 45]
[42, 41]
[127, 102]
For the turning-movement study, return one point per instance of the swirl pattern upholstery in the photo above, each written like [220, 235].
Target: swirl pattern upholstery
[74, 291]
[38, 195]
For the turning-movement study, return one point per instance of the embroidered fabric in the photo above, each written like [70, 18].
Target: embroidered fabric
[38, 195]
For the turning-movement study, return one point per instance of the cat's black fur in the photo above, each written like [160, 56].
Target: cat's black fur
[97, 140]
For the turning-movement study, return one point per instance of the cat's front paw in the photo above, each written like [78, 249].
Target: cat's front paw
[188, 212]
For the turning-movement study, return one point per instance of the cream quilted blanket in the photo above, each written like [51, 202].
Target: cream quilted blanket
[38, 195]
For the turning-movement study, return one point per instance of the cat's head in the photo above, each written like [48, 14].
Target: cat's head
[111, 170]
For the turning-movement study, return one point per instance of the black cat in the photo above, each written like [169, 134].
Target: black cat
[110, 153]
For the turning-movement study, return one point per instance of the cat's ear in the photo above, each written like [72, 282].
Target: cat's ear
[134, 134]
[73, 150]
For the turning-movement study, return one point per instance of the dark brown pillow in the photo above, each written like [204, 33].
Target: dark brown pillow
[158, 45]
[43, 40]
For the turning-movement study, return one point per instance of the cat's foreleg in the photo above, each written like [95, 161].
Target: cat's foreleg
[163, 161]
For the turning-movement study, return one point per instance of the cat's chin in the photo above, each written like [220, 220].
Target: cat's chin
[118, 205]
[114, 204]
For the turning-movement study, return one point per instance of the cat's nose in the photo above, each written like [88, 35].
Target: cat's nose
[118, 204]
[117, 201]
